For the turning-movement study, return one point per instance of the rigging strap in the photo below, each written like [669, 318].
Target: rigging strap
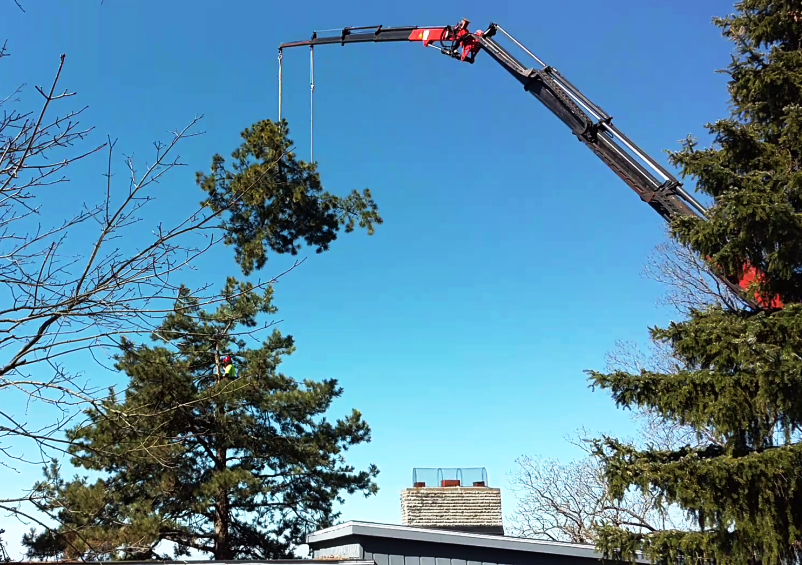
[280, 80]
[311, 103]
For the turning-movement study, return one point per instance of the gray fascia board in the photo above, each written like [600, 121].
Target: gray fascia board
[457, 538]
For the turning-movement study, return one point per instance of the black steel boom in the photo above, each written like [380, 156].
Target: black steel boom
[593, 127]
[364, 34]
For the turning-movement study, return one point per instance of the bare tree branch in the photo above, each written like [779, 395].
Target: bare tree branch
[82, 283]
[569, 501]
[687, 279]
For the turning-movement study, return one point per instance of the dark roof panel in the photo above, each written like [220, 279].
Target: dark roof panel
[449, 537]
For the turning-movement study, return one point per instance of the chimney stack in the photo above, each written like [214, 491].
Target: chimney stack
[457, 499]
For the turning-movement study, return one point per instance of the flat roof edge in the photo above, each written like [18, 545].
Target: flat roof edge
[457, 538]
[321, 561]
[334, 532]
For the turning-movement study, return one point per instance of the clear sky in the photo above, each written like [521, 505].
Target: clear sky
[510, 259]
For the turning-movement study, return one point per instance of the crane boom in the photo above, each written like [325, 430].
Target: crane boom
[373, 34]
[594, 127]
[655, 185]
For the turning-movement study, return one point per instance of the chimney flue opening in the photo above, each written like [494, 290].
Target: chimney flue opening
[449, 477]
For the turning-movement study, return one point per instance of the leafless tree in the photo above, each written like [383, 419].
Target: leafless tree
[77, 285]
[686, 278]
[566, 501]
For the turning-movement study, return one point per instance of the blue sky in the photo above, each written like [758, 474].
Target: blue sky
[510, 259]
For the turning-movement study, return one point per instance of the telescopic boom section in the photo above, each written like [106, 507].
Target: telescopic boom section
[445, 38]
[588, 122]
[373, 34]
[593, 127]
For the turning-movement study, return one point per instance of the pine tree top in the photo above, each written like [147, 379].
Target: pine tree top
[238, 465]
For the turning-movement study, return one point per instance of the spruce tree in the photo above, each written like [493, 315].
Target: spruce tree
[237, 468]
[741, 368]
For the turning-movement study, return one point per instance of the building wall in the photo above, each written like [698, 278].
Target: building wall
[351, 551]
[385, 551]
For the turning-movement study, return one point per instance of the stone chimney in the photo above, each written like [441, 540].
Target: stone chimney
[452, 499]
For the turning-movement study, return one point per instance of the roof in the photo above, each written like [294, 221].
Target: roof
[211, 562]
[408, 533]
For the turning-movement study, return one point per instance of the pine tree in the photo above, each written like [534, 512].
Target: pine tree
[238, 468]
[277, 200]
[742, 370]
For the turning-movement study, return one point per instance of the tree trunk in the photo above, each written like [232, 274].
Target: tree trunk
[222, 523]
[222, 514]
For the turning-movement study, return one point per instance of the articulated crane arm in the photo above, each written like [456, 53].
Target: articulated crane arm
[448, 38]
[588, 122]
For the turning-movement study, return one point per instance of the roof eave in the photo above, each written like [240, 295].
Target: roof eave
[459, 538]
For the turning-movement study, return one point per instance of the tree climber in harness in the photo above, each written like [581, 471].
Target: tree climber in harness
[229, 371]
